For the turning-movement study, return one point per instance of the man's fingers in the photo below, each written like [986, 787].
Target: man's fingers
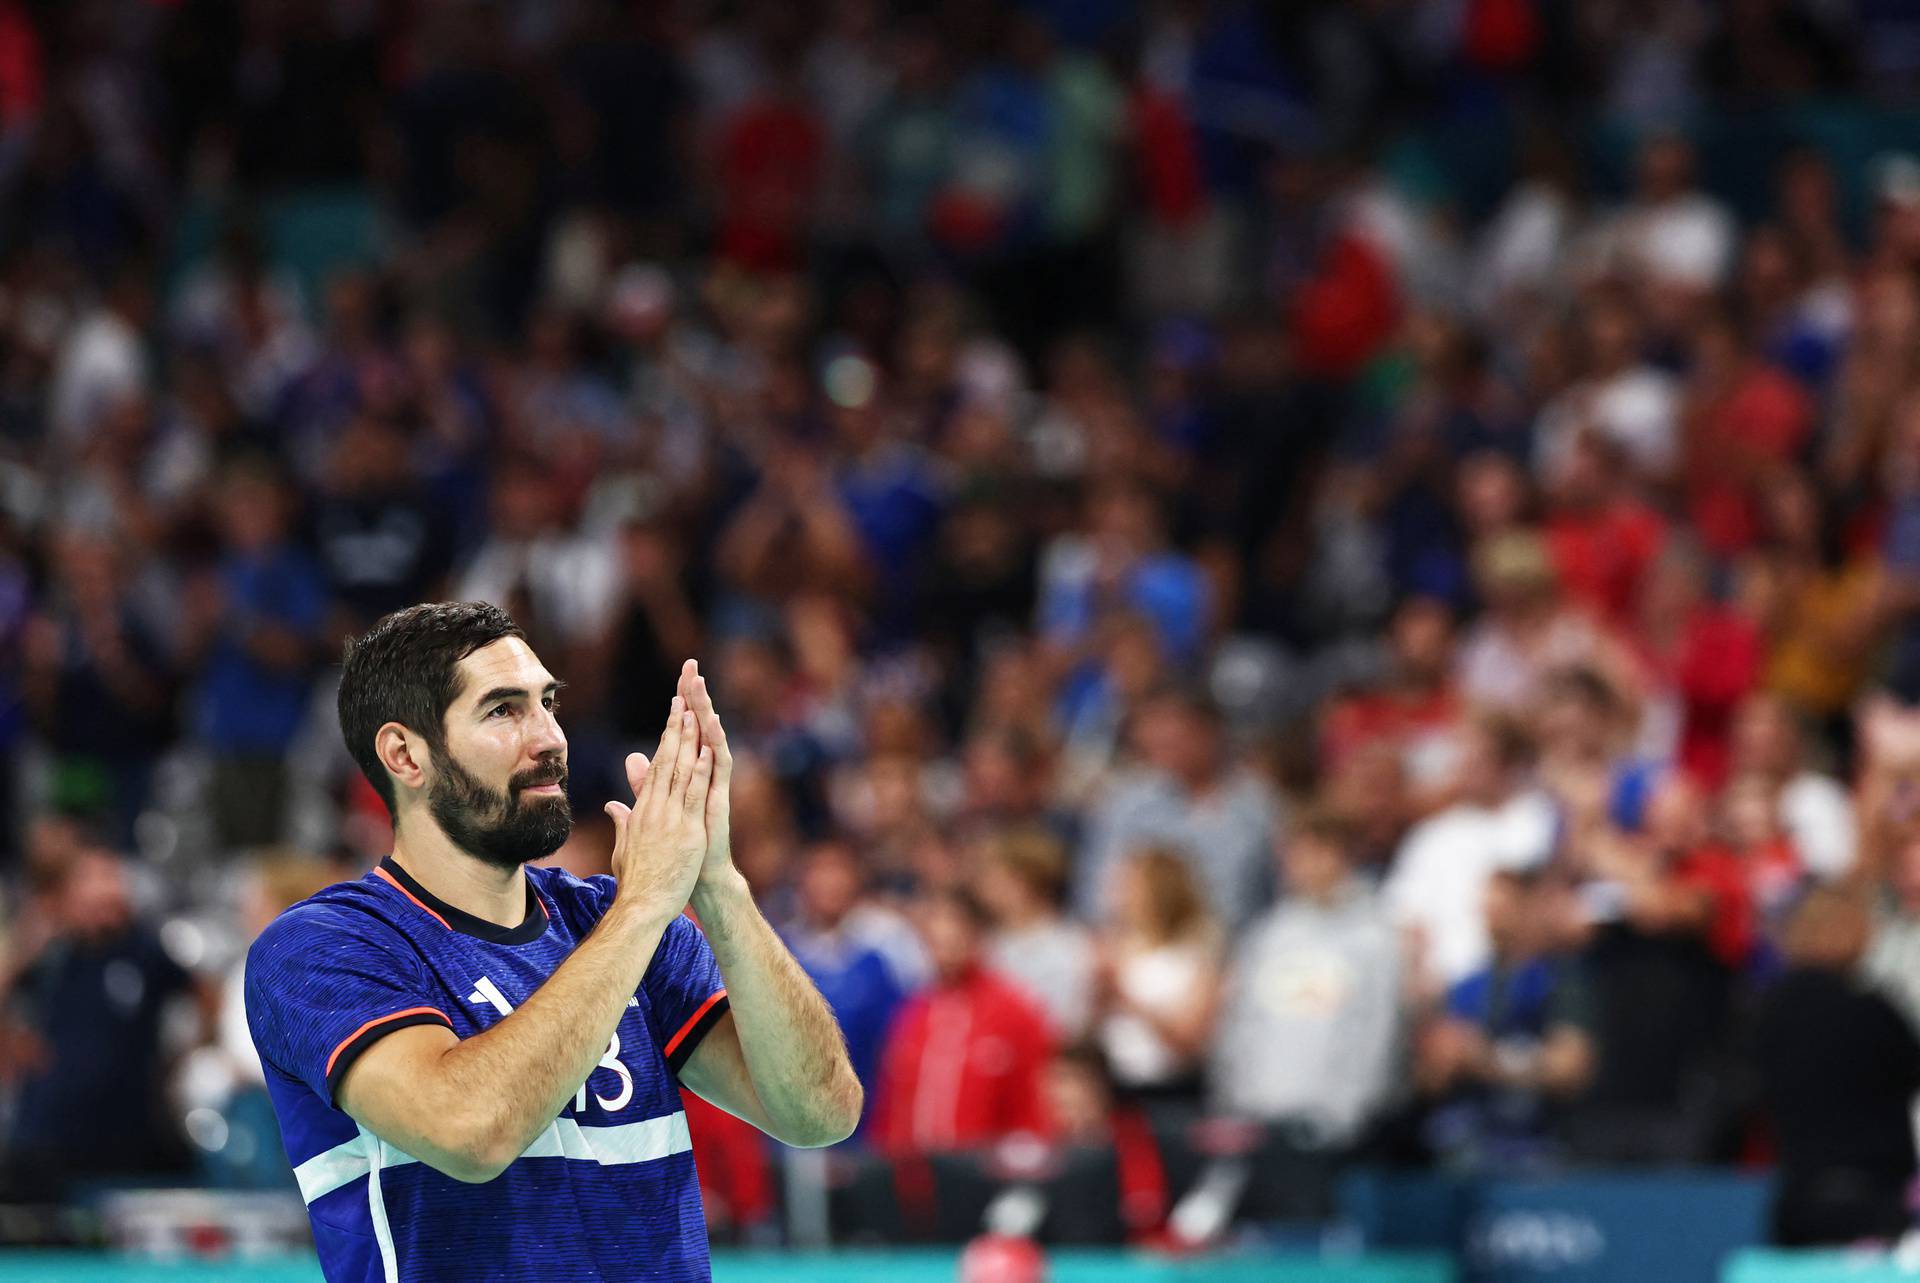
[702, 778]
[667, 755]
[620, 813]
[636, 772]
[686, 748]
[712, 733]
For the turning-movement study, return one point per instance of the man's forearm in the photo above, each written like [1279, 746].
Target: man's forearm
[525, 1069]
[793, 1048]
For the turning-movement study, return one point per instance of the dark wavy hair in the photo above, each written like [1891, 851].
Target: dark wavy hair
[405, 669]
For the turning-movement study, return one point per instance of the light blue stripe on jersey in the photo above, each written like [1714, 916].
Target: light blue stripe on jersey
[641, 1142]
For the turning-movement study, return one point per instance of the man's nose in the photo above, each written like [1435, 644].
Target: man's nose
[545, 736]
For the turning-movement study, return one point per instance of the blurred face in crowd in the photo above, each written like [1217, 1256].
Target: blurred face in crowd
[1748, 813]
[1492, 493]
[1511, 904]
[1423, 639]
[1130, 897]
[1806, 196]
[893, 794]
[1000, 889]
[1677, 584]
[1180, 740]
[1588, 476]
[1370, 787]
[1764, 738]
[1576, 719]
[1898, 227]
[1770, 276]
[822, 640]
[1666, 169]
[430, 350]
[252, 512]
[952, 938]
[370, 455]
[350, 308]
[499, 791]
[1078, 1100]
[1154, 899]
[1315, 867]
[522, 502]
[830, 884]
[1613, 339]
[1888, 310]
[1134, 662]
[1484, 779]
[1793, 513]
[1022, 873]
[550, 340]
[999, 779]
[1676, 820]
[648, 555]
[763, 841]
[749, 672]
[95, 905]
[1906, 876]
[88, 567]
[1124, 523]
[980, 541]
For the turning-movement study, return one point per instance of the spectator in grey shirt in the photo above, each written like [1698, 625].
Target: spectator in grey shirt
[1310, 1028]
[1023, 874]
[1189, 798]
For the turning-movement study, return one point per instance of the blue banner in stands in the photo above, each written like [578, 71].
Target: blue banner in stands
[1640, 1228]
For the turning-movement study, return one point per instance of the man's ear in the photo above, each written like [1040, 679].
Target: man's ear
[403, 753]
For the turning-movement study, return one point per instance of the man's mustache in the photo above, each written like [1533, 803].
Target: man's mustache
[554, 774]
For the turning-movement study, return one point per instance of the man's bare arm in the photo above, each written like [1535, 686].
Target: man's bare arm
[778, 1059]
[468, 1107]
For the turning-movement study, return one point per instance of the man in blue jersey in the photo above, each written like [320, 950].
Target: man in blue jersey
[476, 1064]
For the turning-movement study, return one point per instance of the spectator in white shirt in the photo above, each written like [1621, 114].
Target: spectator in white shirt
[1436, 890]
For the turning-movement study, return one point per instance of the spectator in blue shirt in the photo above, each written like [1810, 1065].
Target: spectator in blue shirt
[849, 950]
[257, 619]
[1515, 1038]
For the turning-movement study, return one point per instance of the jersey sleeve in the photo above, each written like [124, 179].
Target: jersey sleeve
[323, 984]
[684, 988]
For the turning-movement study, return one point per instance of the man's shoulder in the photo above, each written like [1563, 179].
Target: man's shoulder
[354, 910]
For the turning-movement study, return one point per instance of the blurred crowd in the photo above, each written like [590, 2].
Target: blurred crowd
[1213, 623]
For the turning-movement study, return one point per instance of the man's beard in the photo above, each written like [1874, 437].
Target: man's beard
[504, 829]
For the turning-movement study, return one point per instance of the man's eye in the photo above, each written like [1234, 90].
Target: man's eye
[499, 709]
[553, 705]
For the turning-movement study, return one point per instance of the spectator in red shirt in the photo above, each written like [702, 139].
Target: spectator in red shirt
[1602, 537]
[1750, 822]
[1744, 422]
[1703, 658]
[1677, 880]
[1414, 707]
[772, 155]
[966, 1059]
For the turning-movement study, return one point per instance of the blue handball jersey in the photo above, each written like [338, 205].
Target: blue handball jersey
[607, 1191]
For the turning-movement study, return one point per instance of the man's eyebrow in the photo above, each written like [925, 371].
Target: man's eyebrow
[516, 692]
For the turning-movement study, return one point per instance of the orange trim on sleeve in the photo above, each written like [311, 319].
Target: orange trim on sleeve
[380, 1020]
[694, 1019]
[382, 873]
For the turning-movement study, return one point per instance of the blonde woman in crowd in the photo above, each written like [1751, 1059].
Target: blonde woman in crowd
[1157, 979]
